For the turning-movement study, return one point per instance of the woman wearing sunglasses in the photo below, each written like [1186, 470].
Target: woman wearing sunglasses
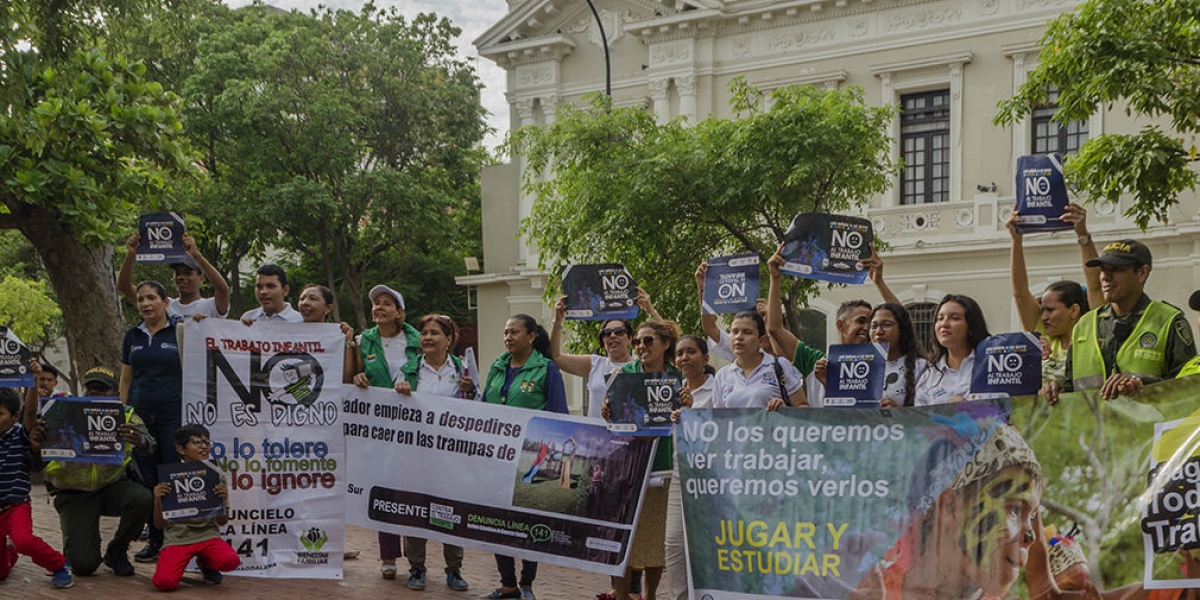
[615, 337]
[655, 343]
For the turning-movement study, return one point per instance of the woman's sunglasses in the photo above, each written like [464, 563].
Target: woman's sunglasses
[614, 331]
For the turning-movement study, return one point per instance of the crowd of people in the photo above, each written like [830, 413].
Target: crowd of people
[1125, 342]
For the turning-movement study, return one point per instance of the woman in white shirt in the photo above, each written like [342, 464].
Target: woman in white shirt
[439, 372]
[892, 325]
[755, 378]
[615, 338]
[691, 358]
[958, 328]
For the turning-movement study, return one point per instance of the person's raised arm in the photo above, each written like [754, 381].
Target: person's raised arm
[1027, 305]
[29, 416]
[875, 273]
[579, 365]
[647, 306]
[219, 285]
[1077, 216]
[708, 323]
[125, 275]
[782, 338]
[126, 381]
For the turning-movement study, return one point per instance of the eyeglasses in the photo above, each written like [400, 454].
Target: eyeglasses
[646, 341]
[200, 442]
[614, 331]
[883, 325]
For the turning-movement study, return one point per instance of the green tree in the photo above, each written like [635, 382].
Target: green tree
[87, 141]
[28, 309]
[1145, 56]
[349, 139]
[660, 198]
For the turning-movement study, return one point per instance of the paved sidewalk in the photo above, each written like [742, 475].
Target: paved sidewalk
[29, 582]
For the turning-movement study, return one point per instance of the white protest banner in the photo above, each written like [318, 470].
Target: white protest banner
[536, 485]
[269, 396]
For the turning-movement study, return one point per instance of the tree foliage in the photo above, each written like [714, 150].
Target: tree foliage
[349, 139]
[87, 141]
[1145, 55]
[28, 308]
[661, 198]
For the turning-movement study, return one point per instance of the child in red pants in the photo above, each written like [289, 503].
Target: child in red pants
[199, 538]
[16, 516]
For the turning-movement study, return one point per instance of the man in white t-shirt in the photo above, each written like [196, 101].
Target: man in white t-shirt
[190, 273]
[271, 289]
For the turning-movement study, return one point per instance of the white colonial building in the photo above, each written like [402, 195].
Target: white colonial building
[945, 62]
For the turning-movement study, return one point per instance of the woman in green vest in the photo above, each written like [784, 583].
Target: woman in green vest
[655, 348]
[526, 377]
[384, 350]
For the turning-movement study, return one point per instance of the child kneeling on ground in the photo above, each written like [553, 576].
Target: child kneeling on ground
[200, 538]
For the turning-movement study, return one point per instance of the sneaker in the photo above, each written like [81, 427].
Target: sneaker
[499, 594]
[456, 582]
[527, 594]
[62, 578]
[388, 571]
[416, 579]
[148, 553]
[212, 576]
[118, 561]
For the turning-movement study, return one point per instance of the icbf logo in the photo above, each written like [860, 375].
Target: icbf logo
[1005, 363]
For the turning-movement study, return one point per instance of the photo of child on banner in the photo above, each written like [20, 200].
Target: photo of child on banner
[192, 493]
[856, 375]
[730, 284]
[160, 238]
[1041, 194]
[827, 247]
[83, 429]
[642, 403]
[14, 361]
[1007, 365]
[599, 292]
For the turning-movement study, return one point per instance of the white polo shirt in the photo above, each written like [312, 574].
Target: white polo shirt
[733, 389]
[287, 315]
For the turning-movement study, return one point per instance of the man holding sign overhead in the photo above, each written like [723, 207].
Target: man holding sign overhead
[191, 269]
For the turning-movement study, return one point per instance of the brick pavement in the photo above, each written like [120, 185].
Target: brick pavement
[29, 582]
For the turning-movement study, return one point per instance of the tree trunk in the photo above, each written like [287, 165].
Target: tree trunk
[83, 280]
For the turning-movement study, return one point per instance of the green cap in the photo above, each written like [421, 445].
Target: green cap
[1121, 253]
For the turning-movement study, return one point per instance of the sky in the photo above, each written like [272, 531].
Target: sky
[472, 16]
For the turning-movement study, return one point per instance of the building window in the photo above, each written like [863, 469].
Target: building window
[925, 147]
[1052, 136]
[923, 315]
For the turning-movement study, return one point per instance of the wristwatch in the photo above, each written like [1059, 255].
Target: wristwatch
[1084, 239]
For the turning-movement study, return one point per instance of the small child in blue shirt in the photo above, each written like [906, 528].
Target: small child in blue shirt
[16, 516]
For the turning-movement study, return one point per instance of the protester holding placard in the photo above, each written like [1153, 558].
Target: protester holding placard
[1062, 304]
[152, 383]
[383, 351]
[655, 343]
[784, 342]
[615, 336]
[892, 325]
[755, 378]
[1131, 340]
[523, 376]
[271, 289]
[718, 339]
[691, 358]
[316, 302]
[439, 372]
[17, 446]
[83, 492]
[191, 271]
[958, 328]
[198, 538]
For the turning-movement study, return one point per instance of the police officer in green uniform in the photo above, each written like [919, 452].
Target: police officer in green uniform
[1132, 340]
[1193, 366]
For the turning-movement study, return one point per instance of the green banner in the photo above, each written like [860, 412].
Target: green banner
[970, 500]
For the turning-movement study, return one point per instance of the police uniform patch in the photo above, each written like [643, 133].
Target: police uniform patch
[1184, 331]
[1148, 340]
